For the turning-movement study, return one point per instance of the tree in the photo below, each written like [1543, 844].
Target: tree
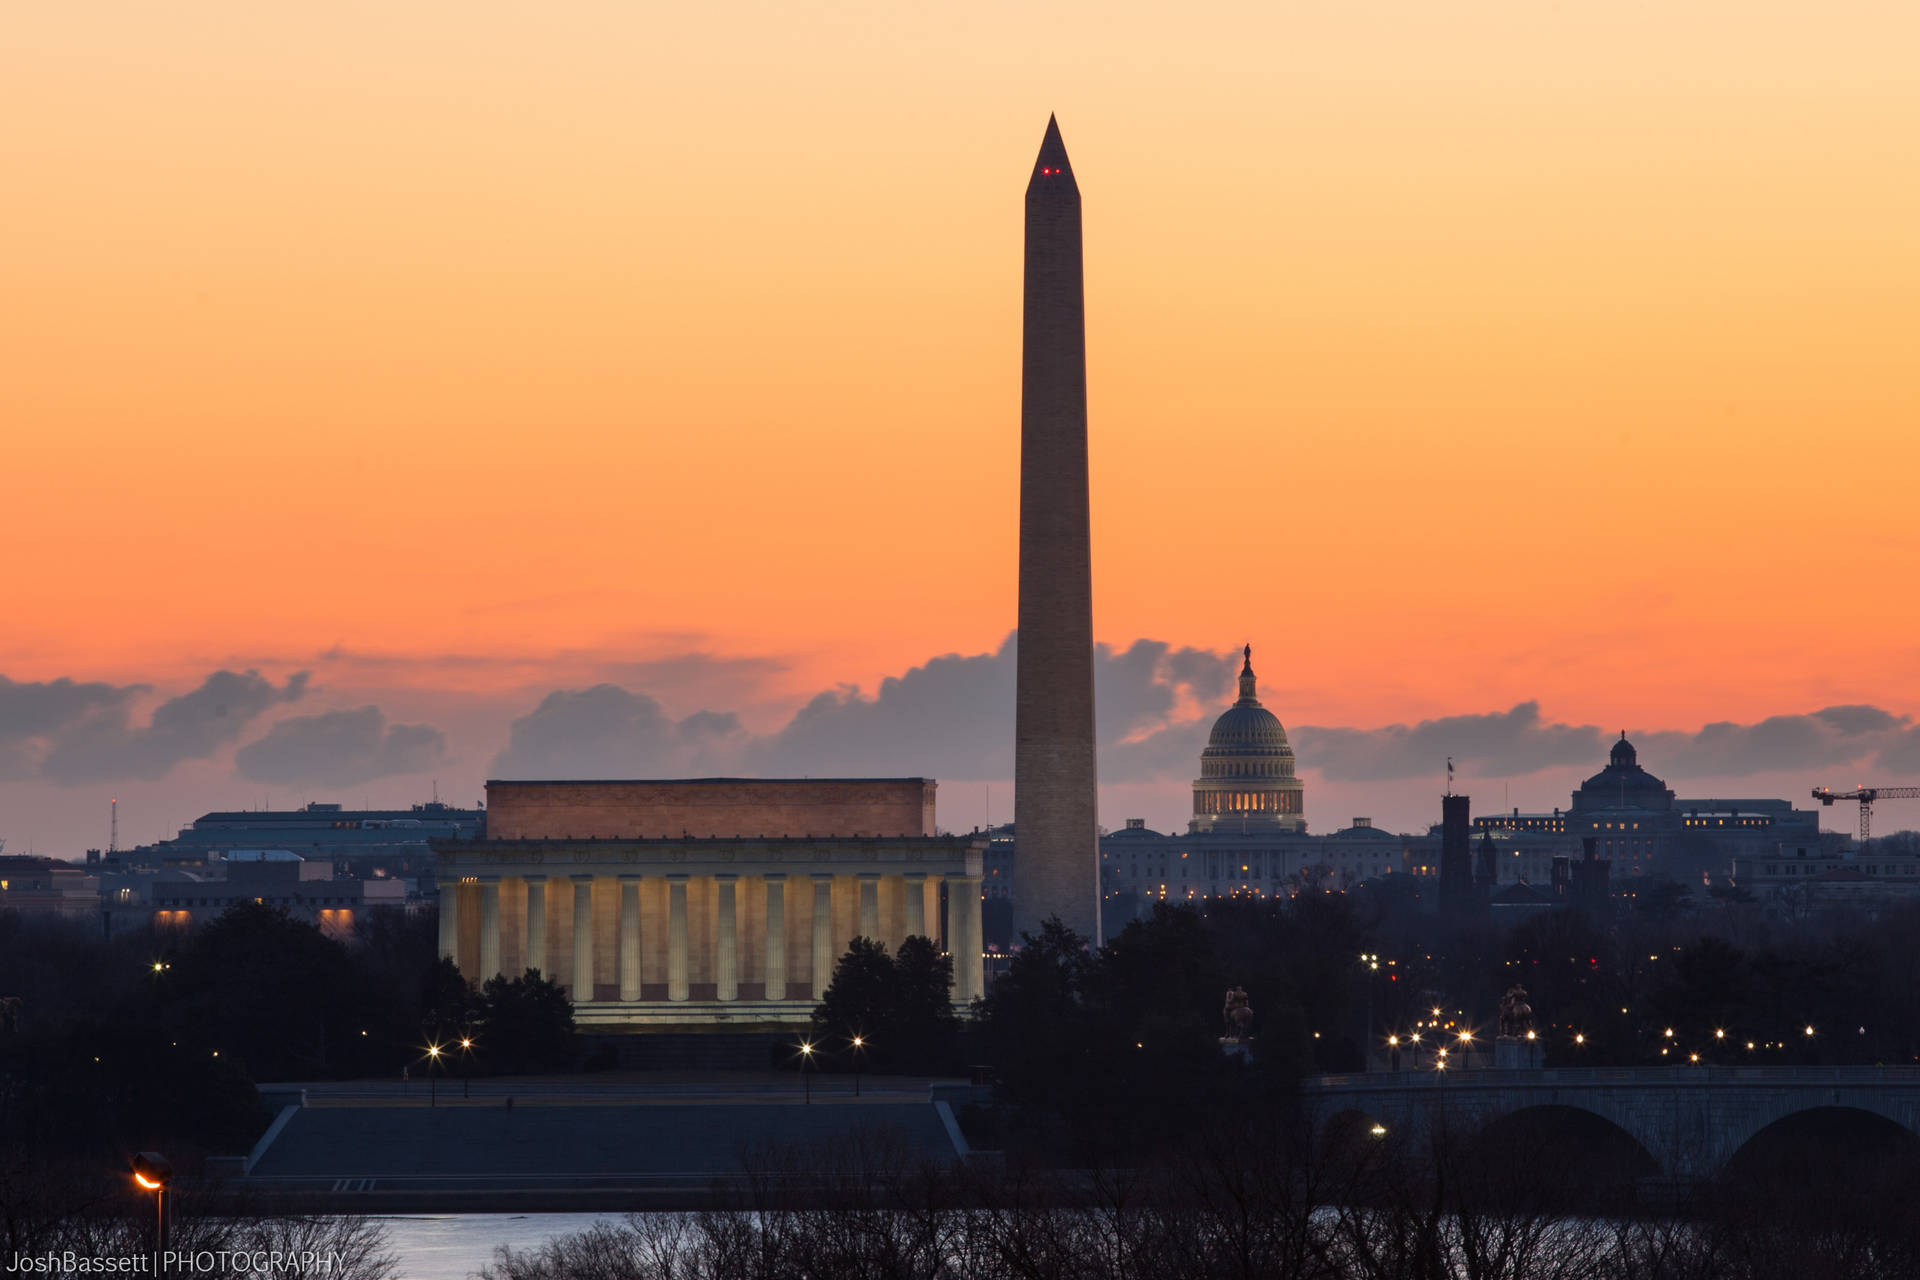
[859, 999]
[900, 1007]
[274, 993]
[1660, 901]
[526, 1025]
[923, 1024]
[448, 1006]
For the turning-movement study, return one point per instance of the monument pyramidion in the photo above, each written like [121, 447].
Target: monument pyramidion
[1055, 810]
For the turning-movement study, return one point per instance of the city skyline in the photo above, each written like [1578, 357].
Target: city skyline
[631, 630]
[1461, 366]
[1521, 757]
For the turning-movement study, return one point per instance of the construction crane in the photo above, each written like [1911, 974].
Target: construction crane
[1866, 796]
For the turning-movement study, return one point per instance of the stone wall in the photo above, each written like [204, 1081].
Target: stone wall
[710, 807]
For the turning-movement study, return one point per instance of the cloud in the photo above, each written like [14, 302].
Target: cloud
[949, 717]
[34, 714]
[340, 748]
[953, 716]
[1834, 736]
[609, 732]
[1497, 743]
[1899, 761]
[66, 732]
[1518, 742]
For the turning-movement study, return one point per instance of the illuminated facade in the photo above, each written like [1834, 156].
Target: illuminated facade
[1639, 825]
[1246, 781]
[305, 889]
[647, 929]
[1140, 866]
[368, 843]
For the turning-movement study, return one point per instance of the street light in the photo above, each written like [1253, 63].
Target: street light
[1372, 961]
[152, 1172]
[433, 1058]
[806, 1061]
[859, 1047]
[466, 1072]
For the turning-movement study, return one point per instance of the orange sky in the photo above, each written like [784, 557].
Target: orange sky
[1457, 355]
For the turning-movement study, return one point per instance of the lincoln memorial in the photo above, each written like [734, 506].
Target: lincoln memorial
[710, 900]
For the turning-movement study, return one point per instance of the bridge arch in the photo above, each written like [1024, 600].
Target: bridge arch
[1822, 1144]
[1351, 1130]
[1689, 1121]
[1589, 1148]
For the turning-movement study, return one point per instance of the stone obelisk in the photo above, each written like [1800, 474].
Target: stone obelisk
[1054, 798]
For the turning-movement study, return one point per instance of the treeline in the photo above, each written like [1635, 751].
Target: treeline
[888, 1013]
[1113, 1055]
[1109, 1054]
[1733, 983]
[221, 1238]
[156, 1040]
[1259, 1193]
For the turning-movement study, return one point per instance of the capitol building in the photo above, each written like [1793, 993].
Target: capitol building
[1248, 834]
[1246, 780]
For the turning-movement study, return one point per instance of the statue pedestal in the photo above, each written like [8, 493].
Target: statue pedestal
[1513, 1053]
[1235, 1047]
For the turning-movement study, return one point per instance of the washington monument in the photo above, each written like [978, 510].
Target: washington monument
[1054, 798]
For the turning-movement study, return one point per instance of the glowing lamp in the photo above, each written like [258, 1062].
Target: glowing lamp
[151, 1170]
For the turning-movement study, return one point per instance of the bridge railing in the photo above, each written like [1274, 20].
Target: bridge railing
[1847, 1077]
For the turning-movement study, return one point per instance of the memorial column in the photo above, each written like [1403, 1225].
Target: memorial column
[913, 897]
[676, 937]
[582, 939]
[822, 932]
[963, 922]
[629, 938]
[776, 986]
[869, 904]
[536, 934]
[938, 928]
[726, 942]
[450, 920]
[489, 927]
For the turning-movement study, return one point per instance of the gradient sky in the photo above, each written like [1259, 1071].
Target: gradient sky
[1458, 356]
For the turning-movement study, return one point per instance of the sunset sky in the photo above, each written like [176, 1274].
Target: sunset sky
[1461, 357]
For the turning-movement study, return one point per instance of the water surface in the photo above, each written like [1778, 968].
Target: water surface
[454, 1246]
